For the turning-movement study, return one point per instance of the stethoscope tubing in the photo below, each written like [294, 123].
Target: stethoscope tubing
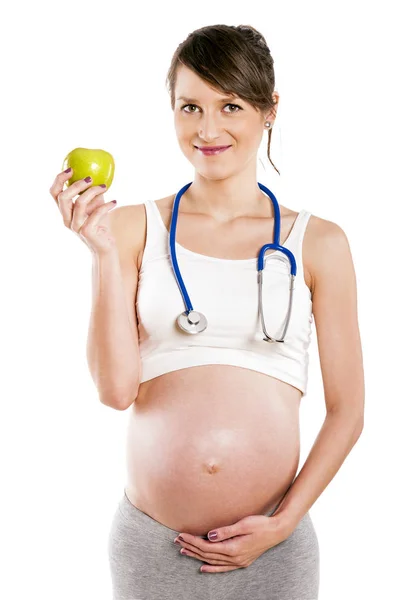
[172, 248]
[275, 245]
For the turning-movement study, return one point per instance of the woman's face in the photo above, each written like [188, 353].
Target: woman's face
[205, 117]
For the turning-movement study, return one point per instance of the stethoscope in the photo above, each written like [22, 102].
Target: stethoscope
[192, 321]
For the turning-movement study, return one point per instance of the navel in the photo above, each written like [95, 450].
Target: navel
[211, 468]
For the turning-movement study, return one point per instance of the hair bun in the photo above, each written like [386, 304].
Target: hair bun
[253, 35]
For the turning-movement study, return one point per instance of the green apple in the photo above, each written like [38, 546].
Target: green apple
[97, 163]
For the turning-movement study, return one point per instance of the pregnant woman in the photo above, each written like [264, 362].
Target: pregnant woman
[213, 438]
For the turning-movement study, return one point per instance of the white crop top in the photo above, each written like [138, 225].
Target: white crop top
[226, 292]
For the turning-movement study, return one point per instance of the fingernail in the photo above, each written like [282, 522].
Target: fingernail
[68, 170]
[102, 185]
[87, 179]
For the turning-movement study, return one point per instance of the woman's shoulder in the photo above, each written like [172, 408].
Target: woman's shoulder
[131, 225]
[321, 240]
[323, 232]
[128, 228]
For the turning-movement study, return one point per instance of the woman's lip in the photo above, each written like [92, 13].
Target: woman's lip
[212, 148]
[213, 152]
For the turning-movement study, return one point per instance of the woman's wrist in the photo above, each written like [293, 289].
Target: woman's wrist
[284, 523]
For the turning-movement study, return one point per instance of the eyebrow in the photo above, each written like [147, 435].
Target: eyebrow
[194, 100]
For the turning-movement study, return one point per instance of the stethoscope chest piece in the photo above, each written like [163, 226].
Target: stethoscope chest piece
[192, 321]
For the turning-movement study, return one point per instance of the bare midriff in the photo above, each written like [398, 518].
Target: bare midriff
[208, 445]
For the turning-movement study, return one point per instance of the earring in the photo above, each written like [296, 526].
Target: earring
[268, 124]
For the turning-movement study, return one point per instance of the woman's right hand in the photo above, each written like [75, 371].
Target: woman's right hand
[88, 215]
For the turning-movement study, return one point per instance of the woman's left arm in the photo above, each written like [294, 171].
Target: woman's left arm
[335, 314]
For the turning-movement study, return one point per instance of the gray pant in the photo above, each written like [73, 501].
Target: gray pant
[146, 564]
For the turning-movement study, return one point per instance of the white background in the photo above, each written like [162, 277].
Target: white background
[92, 74]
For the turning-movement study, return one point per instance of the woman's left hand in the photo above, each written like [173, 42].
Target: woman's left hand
[237, 545]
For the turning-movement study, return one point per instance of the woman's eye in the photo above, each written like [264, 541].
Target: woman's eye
[235, 105]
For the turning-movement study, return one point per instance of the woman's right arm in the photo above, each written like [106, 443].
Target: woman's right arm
[112, 345]
[114, 238]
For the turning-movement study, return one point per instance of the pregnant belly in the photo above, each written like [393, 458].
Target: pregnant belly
[207, 458]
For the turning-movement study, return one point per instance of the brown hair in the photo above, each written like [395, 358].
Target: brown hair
[231, 59]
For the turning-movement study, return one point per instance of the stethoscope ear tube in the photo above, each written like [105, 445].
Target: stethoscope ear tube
[192, 321]
[269, 338]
